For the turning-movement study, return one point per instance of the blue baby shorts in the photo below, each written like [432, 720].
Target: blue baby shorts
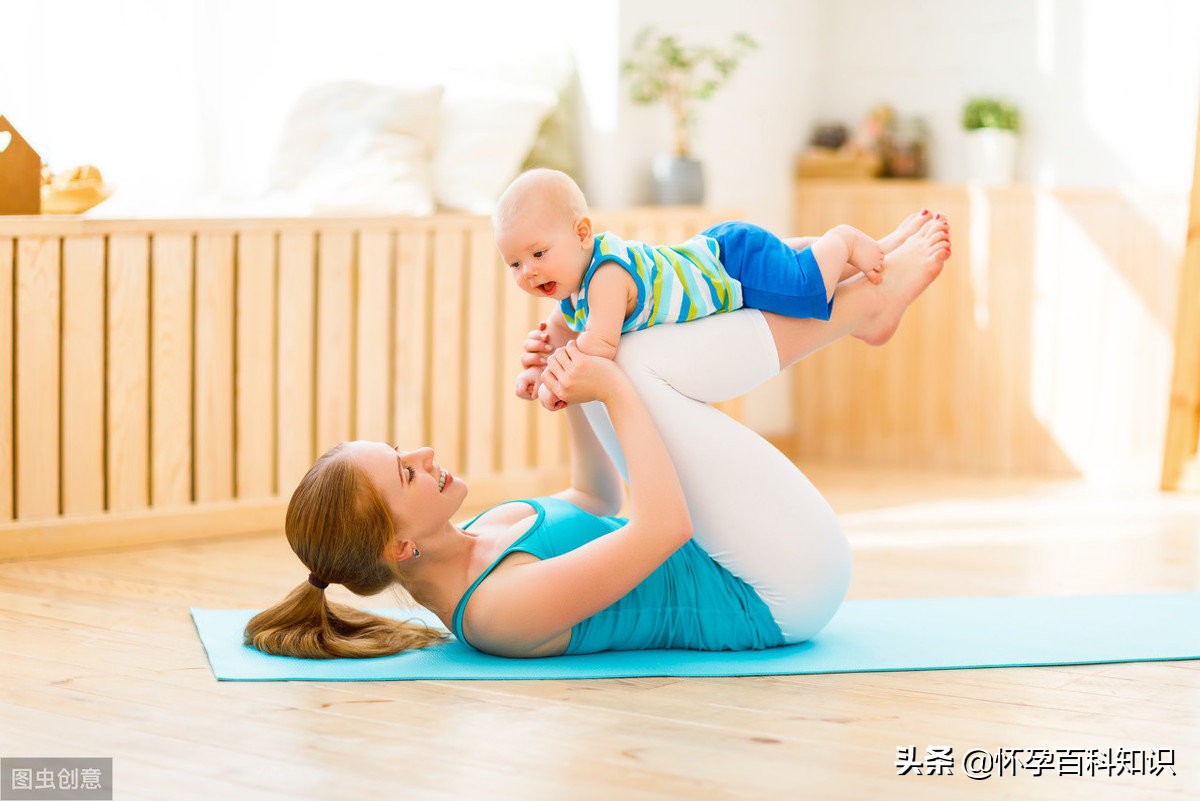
[775, 277]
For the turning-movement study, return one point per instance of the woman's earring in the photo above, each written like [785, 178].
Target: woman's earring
[416, 552]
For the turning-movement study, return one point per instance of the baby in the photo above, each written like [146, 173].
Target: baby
[606, 286]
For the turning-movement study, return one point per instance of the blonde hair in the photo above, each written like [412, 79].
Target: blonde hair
[553, 188]
[339, 525]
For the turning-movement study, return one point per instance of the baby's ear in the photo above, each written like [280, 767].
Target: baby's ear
[583, 229]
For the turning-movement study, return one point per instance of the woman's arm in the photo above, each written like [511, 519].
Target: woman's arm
[530, 604]
[596, 485]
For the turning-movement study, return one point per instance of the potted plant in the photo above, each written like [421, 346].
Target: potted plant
[991, 127]
[661, 68]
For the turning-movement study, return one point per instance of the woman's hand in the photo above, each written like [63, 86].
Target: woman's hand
[576, 377]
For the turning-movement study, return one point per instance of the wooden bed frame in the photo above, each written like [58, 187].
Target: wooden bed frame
[171, 379]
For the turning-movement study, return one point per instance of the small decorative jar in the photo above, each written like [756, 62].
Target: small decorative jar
[907, 142]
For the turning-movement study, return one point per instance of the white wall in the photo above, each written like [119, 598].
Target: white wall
[1108, 89]
[747, 134]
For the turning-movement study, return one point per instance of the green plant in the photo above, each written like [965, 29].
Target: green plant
[662, 68]
[988, 112]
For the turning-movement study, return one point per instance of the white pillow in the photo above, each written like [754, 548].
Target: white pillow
[487, 131]
[357, 148]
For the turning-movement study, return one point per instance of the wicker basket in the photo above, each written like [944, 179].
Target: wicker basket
[824, 163]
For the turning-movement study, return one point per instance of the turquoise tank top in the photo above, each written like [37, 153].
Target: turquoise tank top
[689, 601]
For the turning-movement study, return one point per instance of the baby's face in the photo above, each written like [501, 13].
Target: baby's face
[545, 254]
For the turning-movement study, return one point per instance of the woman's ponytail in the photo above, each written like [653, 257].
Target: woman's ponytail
[306, 624]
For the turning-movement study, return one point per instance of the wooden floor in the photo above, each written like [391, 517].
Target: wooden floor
[98, 657]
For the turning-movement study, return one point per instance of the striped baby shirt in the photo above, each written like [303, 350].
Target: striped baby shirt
[675, 283]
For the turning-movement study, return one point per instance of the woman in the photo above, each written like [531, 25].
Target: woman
[727, 544]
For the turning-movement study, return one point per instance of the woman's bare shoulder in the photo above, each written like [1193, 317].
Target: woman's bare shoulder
[484, 623]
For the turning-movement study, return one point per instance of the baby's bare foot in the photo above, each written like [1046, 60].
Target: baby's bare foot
[866, 255]
[908, 226]
[909, 269]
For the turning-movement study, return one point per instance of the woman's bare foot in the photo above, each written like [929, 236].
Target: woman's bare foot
[907, 227]
[908, 270]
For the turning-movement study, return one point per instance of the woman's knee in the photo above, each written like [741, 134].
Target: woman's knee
[654, 352]
[710, 360]
[635, 355]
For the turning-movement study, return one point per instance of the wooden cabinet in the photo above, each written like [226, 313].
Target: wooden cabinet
[1044, 347]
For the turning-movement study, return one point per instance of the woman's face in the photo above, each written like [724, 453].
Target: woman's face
[421, 495]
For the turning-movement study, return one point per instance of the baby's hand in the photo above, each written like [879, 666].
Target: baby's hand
[537, 347]
[528, 382]
[549, 399]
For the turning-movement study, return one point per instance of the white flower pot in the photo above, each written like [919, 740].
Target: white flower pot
[678, 181]
[991, 156]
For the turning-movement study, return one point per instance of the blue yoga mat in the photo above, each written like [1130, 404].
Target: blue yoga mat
[869, 635]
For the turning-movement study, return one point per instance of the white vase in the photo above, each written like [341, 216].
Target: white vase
[678, 181]
[991, 156]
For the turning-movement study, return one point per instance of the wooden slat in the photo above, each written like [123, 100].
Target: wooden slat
[37, 390]
[485, 274]
[213, 409]
[373, 362]
[128, 372]
[1183, 419]
[294, 394]
[127, 398]
[335, 316]
[171, 370]
[413, 329]
[254, 427]
[7, 255]
[446, 345]
[83, 421]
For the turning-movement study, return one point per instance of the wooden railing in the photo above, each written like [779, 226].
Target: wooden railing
[170, 379]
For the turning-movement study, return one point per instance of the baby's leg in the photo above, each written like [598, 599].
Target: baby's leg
[907, 227]
[844, 250]
[870, 312]
[753, 511]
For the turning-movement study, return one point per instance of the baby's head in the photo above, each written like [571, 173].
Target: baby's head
[544, 234]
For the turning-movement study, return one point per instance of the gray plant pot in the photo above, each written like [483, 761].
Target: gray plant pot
[678, 181]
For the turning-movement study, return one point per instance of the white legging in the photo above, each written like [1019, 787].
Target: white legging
[752, 510]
